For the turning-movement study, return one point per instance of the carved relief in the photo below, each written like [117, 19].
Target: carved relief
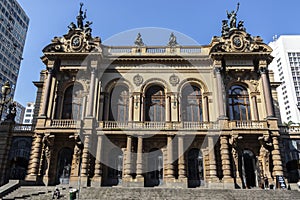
[138, 80]
[78, 39]
[174, 80]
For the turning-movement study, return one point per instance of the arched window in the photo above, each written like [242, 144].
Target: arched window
[119, 104]
[72, 104]
[238, 102]
[155, 104]
[191, 104]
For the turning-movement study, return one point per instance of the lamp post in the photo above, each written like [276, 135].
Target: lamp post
[5, 89]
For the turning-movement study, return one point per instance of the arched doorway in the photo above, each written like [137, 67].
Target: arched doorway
[115, 167]
[154, 173]
[249, 169]
[19, 157]
[195, 168]
[64, 165]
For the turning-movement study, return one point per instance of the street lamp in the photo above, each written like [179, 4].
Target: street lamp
[5, 91]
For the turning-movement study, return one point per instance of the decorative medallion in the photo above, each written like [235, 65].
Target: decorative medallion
[76, 42]
[174, 80]
[138, 80]
[237, 42]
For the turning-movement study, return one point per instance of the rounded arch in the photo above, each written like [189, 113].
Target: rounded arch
[155, 81]
[195, 167]
[116, 82]
[238, 102]
[194, 82]
[64, 162]
[238, 83]
[65, 85]
[72, 101]
[155, 103]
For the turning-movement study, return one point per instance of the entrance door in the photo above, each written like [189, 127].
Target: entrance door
[154, 174]
[195, 168]
[64, 165]
[249, 169]
[115, 167]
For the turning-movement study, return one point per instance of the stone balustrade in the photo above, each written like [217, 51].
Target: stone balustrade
[64, 123]
[148, 50]
[23, 128]
[248, 124]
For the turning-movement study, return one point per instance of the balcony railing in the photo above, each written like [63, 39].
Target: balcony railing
[23, 128]
[248, 124]
[158, 125]
[64, 123]
[147, 50]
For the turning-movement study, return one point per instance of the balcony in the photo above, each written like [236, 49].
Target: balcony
[248, 124]
[23, 128]
[65, 123]
[114, 125]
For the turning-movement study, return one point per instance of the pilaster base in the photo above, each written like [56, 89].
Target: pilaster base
[215, 185]
[76, 181]
[96, 181]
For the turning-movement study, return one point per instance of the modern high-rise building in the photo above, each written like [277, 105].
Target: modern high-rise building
[28, 115]
[20, 110]
[286, 67]
[13, 29]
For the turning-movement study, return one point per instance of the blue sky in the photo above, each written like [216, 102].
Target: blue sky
[198, 19]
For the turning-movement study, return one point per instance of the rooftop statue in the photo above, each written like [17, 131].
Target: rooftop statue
[139, 41]
[172, 40]
[232, 17]
[81, 16]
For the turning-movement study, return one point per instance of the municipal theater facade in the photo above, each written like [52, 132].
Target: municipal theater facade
[156, 116]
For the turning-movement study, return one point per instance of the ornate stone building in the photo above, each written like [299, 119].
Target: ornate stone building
[170, 116]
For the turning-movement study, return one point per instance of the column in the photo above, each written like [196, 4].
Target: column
[106, 106]
[85, 157]
[101, 107]
[130, 106]
[205, 109]
[218, 65]
[225, 159]
[276, 157]
[168, 99]
[181, 161]
[266, 88]
[174, 108]
[138, 111]
[170, 171]
[255, 110]
[98, 167]
[34, 162]
[139, 160]
[212, 160]
[127, 170]
[47, 91]
[91, 93]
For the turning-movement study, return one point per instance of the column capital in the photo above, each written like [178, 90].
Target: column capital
[217, 63]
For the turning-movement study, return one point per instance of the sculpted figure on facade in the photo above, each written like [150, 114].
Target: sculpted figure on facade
[139, 41]
[225, 27]
[232, 17]
[235, 150]
[48, 142]
[241, 26]
[172, 40]
[264, 155]
[81, 16]
[72, 26]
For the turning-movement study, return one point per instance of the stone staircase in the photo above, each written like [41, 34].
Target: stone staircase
[119, 193]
